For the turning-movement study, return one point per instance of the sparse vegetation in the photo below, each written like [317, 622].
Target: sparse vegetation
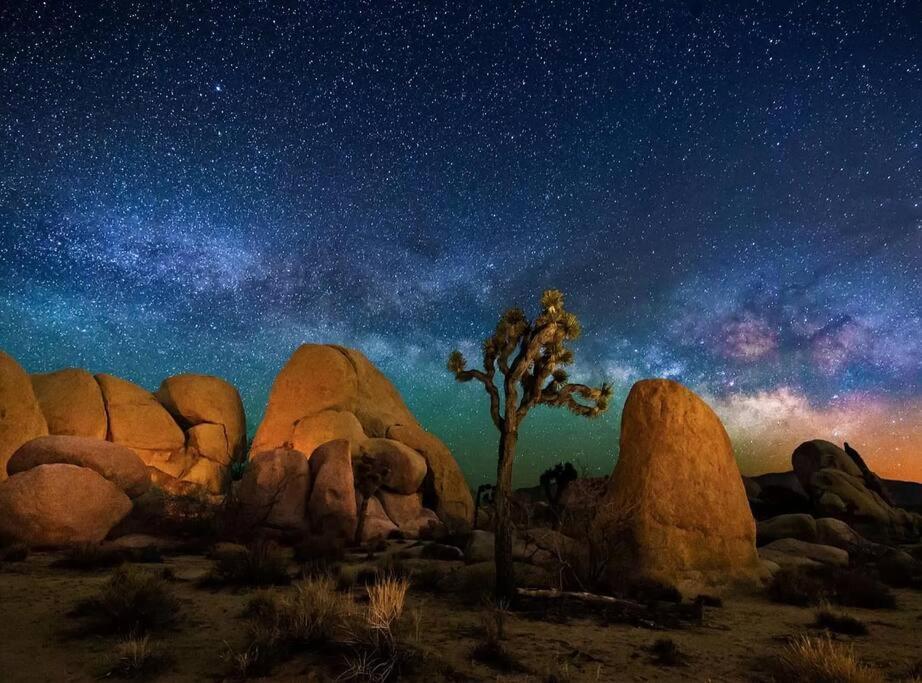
[132, 601]
[804, 586]
[136, 657]
[839, 622]
[822, 660]
[90, 557]
[665, 652]
[260, 564]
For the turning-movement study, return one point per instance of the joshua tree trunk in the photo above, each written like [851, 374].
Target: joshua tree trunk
[361, 523]
[505, 569]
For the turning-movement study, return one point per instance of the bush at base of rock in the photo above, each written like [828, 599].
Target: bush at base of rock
[812, 585]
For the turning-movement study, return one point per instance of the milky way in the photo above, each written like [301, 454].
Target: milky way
[729, 195]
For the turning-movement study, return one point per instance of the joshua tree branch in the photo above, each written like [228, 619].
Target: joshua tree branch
[487, 381]
[564, 397]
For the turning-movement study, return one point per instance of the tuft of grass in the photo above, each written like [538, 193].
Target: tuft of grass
[136, 657]
[839, 622]
[804, 586]
[313, 614]
[666, 653]
[822, 660]
[260, 564]
[90, 557]
[132, 601]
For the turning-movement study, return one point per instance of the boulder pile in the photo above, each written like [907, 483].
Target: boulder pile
[329, 407]
[834, 483]
[68, 489]
[189, 433]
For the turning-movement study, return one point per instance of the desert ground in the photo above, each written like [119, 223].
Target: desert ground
[737, 641]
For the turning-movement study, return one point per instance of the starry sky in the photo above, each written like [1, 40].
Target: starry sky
[730, 195]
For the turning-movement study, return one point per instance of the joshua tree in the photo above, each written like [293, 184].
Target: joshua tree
[530, 355]
[484, 495]
[370, 474]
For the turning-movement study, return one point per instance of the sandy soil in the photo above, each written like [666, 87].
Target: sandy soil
[38, 642]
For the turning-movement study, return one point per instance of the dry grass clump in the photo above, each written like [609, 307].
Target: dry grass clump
[136, 657]
[803, 586]
[260, 564]
[839, 622]
[89, 557]
[132, 601]
[666, 653]
[378, 652]
[312, 614]
[823, 660]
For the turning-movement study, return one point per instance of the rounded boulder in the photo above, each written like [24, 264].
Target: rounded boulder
[72, 403]
[675, 509]
[118, 464]
[58, 505]
[21, 417]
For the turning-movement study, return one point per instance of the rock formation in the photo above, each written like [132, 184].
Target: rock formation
[116, 463]
[840, 486]
[59, 504]
[327, 393]
[675, 509]
[72, 403]
[21, 417]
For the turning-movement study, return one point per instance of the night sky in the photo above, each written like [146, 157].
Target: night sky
[730, 194]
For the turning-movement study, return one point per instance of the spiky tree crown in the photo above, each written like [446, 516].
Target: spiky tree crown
[531, 356]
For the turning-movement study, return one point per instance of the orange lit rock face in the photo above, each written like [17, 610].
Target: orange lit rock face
[72, 403]
[21, 418]
[331, 508]
[118, 464]
[137, 419]
[274, 490]
[325, 393]
[60, 504]
[676, 496]
[207, 402]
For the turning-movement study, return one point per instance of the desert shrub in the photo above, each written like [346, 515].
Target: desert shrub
[489, 649]
[132, 601]
[320, 547]
[838, 622]
[900, 570]
[16, 552]
[649, 590]
[260, 564]
[426, 577]
[136, 657]
[709, 600]
[666, 653]
[312, 614]
[90, 556]
[822, 660]
[803, 586]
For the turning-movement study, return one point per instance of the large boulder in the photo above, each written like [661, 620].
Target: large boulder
[799, 526]
[675, 508]
[824, 554]
[406, 468]
[402, 509]
[72, 403]
[59, 504]
[275, 488]
[118, 464]
[205, 400]
[444, 489]
[812, 456]
[21, 417]
[378, 525]
[315, 430]
[331, 507]
[139, 421]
